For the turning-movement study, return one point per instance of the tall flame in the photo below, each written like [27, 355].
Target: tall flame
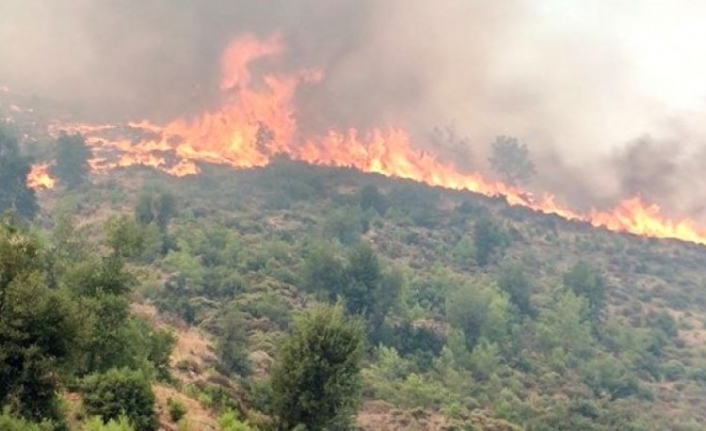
[257, 120]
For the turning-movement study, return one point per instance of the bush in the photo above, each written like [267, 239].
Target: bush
[316, 381]
[176, 408]
[96, 424]
[229, 422]
[12, 423]
[489, 239]
[121, 392]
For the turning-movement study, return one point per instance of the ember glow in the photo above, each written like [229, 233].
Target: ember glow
[258, 120]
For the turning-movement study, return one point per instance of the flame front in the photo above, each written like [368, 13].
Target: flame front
[257, 120]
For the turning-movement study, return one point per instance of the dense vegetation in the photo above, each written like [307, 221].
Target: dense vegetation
[421, 308]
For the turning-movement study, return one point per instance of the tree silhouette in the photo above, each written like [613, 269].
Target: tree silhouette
[511, 161]
[316, 381]
[15, 195]
[71, 160]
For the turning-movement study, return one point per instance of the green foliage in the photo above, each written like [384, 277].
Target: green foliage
[511, 161]
[120, 392]
[370, 197]
[585, 281]
[15, 195]
[122, 423]
[323, 272]
[563, 325]
[316, 380]
[485, 359]
[489, 239]
[364, 273]
[9, 422]
[37, 328]
[232, 342]
[228, 421]
[607, 375]
[124, 237]
[176, 409]
[665, 323]
[344, 224]
[148, 348]
[417, 342]
[72, 156]
[63, 315]
[479, 311]
[157, 208]
[514, 282]
[270, 305]
[361, 281]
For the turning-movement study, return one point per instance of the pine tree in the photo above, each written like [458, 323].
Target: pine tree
[316, 382]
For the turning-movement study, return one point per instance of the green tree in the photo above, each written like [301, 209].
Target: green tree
[14, 193]
[72, 155]
[37, 330]
[478, 311]
[511, 161]
[514, 282]
[316, 381]
[563, 325]
[585, 281]
[370, 197]
[121, 392]
[364, 276]
[232, 342]
[489, 239]
[323, 272]
[159, 208]
[344, 224]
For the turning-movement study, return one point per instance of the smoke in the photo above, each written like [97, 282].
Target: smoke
[563, 78]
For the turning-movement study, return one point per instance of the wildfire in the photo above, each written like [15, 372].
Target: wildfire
[39, 176]
[257, 120]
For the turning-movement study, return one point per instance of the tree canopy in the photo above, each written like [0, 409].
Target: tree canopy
[316, 382]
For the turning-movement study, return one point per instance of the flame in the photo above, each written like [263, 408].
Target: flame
[257, 120]
[39, 176]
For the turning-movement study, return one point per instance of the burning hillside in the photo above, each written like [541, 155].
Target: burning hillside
[258, 119]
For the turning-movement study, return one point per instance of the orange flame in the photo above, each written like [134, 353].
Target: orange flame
[257, 120]
[39, 176]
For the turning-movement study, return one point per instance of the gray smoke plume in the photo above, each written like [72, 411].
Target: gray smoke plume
[491, 68]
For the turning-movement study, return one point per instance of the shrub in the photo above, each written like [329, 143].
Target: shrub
[96, 424]
[229, 421]
[316, 382]
[12, 423]
[121, 392]
[176, 408]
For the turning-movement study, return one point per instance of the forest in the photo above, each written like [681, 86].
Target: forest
[314, 298]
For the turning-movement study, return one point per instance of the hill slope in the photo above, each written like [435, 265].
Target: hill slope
[494, 315]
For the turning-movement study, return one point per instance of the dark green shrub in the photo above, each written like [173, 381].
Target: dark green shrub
[121, 392]
[176, 409]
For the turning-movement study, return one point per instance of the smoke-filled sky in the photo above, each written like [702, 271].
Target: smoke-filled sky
[607, 94]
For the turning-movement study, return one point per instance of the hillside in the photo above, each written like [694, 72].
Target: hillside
[497, 317]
